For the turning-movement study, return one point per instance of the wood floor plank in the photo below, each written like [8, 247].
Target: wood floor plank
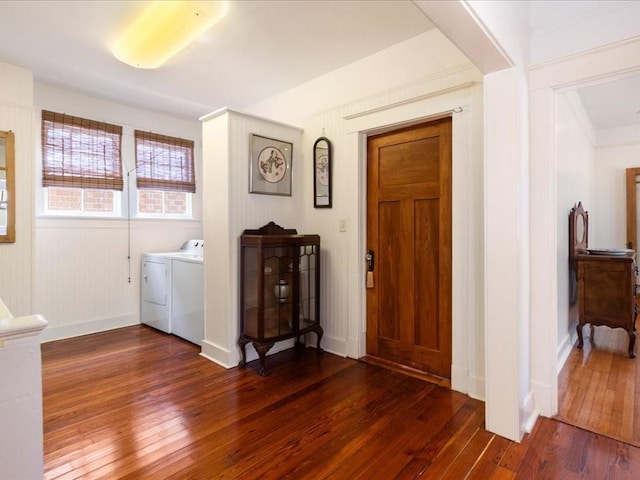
[135, 403]
[489, 466]
[599, 387]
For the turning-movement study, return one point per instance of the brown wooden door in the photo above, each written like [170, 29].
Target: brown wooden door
[409, 230]
[632, 180]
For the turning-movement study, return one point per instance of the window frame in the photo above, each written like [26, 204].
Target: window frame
[80, 153]
[125, 201]
[175, 173]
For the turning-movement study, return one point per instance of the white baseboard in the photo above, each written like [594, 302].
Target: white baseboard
[529, 414]
[331, 344]
[220, 355]
[476, 388]
[564, 349]
[462, 382]
[545, 404]
[459, 379]
[231, 358]
[60, 332]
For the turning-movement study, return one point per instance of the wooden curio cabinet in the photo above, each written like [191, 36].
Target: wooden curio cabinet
[279, 288]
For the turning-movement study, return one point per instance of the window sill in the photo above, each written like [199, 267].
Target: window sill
[58, 221]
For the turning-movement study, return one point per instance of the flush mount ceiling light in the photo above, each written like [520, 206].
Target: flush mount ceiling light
[164, 28]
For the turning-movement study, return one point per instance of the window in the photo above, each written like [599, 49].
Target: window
[165, 175]
[81, 165]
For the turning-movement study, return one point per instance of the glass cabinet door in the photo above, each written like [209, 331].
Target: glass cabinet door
[307, 285]
[279, 265]
[250, 278]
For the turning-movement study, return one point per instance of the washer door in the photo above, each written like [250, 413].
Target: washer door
[154, 283]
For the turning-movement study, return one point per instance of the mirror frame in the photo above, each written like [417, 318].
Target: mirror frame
[577, 245]
[10, 236]
[322, 162]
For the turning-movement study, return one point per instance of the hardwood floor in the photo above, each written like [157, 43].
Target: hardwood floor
[136, 403]
[599, 387]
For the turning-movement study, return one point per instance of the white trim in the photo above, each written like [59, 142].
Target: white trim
[230, 358]
[224, 110]
[85, 328]
[114, 223]
[427, 107]
[218, 354]
[529, 414]
[546, 81]
[564, 350]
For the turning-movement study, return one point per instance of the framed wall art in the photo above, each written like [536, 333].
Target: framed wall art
[270, 165]
[322, 174]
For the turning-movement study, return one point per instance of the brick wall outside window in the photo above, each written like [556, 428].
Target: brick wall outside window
[98, 200]
[150, 201]
[175, 203]
[80, 200]
[158, 202]
[65, 199]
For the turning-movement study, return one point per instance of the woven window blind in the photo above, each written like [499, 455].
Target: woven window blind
[80, 153]
[164, 163]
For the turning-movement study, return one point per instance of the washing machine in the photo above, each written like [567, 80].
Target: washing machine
[172, 291]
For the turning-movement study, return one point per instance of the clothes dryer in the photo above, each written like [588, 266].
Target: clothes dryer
[172, 291]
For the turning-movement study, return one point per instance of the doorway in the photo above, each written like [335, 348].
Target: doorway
[409, 239]
[598, 385]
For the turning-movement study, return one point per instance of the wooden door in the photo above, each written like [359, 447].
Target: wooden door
[409, 231]
[632, 181]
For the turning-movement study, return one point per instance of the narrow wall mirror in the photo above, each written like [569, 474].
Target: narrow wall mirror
[322, 174]
[7, 189]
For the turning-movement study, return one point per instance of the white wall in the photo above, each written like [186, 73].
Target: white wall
[16, 265]
[610, 207]
[81, 282]
[561, 29]
[418, 79]
[510, 402]
[575, 152]
[229, 209]
[509, 407]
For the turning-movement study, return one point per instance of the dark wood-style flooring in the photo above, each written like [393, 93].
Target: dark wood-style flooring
[599, 386]
[136, 403]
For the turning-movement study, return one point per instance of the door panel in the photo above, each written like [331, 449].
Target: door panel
[390, 307]
[409, 229]
[632, 182]
[426, 273]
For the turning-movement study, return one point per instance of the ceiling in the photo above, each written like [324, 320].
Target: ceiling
[259, 49]
[608, 103]
[613, 104]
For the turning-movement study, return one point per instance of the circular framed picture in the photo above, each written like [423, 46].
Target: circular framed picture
[272, 165]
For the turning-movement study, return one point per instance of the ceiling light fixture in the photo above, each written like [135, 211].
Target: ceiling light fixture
[164, 28]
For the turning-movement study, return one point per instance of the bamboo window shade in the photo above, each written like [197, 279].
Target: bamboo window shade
[164, 163]
[80, 153]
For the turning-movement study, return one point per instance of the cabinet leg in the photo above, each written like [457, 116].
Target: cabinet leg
[242, 343]
[632, 344]
[262, 349]
[319, 333]
[579, 332]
